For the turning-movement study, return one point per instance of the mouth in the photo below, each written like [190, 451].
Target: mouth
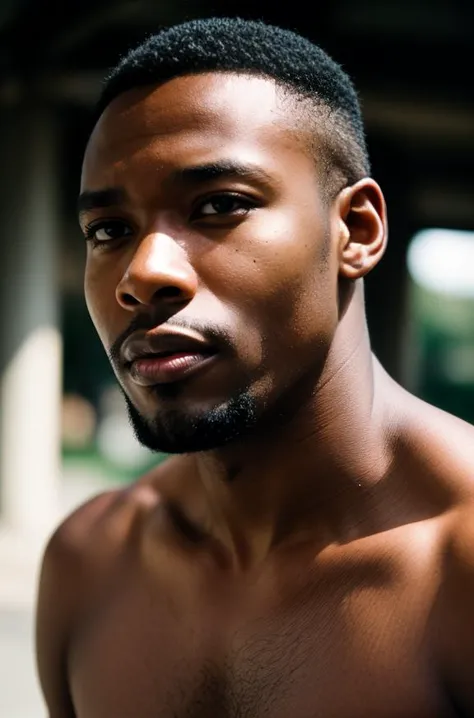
[166, 368]
[162, 358]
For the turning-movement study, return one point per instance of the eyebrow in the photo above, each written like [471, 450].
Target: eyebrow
[96, 199]
[194, 175]
[221, 169]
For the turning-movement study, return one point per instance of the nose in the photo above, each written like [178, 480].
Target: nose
[159, 272]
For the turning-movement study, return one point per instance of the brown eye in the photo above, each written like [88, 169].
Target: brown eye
[104, 232]
[223, 204]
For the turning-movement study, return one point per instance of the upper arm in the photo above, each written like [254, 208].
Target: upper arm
[54, 617]
[66, 573]
[455, 613]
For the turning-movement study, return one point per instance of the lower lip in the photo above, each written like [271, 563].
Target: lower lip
[164, 370]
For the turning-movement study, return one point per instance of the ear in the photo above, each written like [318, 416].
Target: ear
[362, 228]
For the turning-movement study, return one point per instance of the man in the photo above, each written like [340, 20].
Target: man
[309, 549]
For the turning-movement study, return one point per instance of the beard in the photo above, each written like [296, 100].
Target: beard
[174, 431]
[178, 431]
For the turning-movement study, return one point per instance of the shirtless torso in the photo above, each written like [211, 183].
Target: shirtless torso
[310, 551]
[146, 617]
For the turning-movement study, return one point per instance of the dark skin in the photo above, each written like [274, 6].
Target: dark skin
[322, 562]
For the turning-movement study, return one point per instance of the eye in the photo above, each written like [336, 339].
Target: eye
[105, 232]
[223, 205]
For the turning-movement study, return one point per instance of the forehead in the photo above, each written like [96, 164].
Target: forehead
[194, 119]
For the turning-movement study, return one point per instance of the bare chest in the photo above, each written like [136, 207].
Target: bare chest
[330, 648]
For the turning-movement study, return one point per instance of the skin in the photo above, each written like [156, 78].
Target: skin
[322, 563]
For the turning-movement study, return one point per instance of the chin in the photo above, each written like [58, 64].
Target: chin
[178, 431]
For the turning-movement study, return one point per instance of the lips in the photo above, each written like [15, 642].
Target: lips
[163, 357]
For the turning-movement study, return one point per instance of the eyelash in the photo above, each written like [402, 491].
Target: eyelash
[93, 227]
[246, 205]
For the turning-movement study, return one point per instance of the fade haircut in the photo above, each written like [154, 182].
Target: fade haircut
[325, 96]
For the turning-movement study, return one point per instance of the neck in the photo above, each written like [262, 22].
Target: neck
[313, 476]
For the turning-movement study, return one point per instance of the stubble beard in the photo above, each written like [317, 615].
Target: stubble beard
[177, 431]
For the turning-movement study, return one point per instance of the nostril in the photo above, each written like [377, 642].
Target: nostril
[129, 300]
[169, 292]
[148, 293]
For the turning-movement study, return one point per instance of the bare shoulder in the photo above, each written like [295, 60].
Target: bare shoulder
[437, 454]
[76, 559]
[441, 445]
[458, 554]
[87, 536]
[87, 540]
[96, 529]
[453, 611]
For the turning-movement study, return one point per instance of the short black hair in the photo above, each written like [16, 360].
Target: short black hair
[301, 68]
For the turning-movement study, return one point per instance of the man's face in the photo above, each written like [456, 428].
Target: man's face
[210, 275]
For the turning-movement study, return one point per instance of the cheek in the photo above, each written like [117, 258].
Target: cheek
[99, 291]
[276, 267]
[302, 313]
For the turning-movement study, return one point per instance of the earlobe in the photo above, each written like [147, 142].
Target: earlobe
[363, 235]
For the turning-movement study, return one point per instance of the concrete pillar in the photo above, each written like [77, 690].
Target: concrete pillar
[30, 346]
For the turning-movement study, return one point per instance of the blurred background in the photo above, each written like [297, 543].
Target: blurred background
[64, 433]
